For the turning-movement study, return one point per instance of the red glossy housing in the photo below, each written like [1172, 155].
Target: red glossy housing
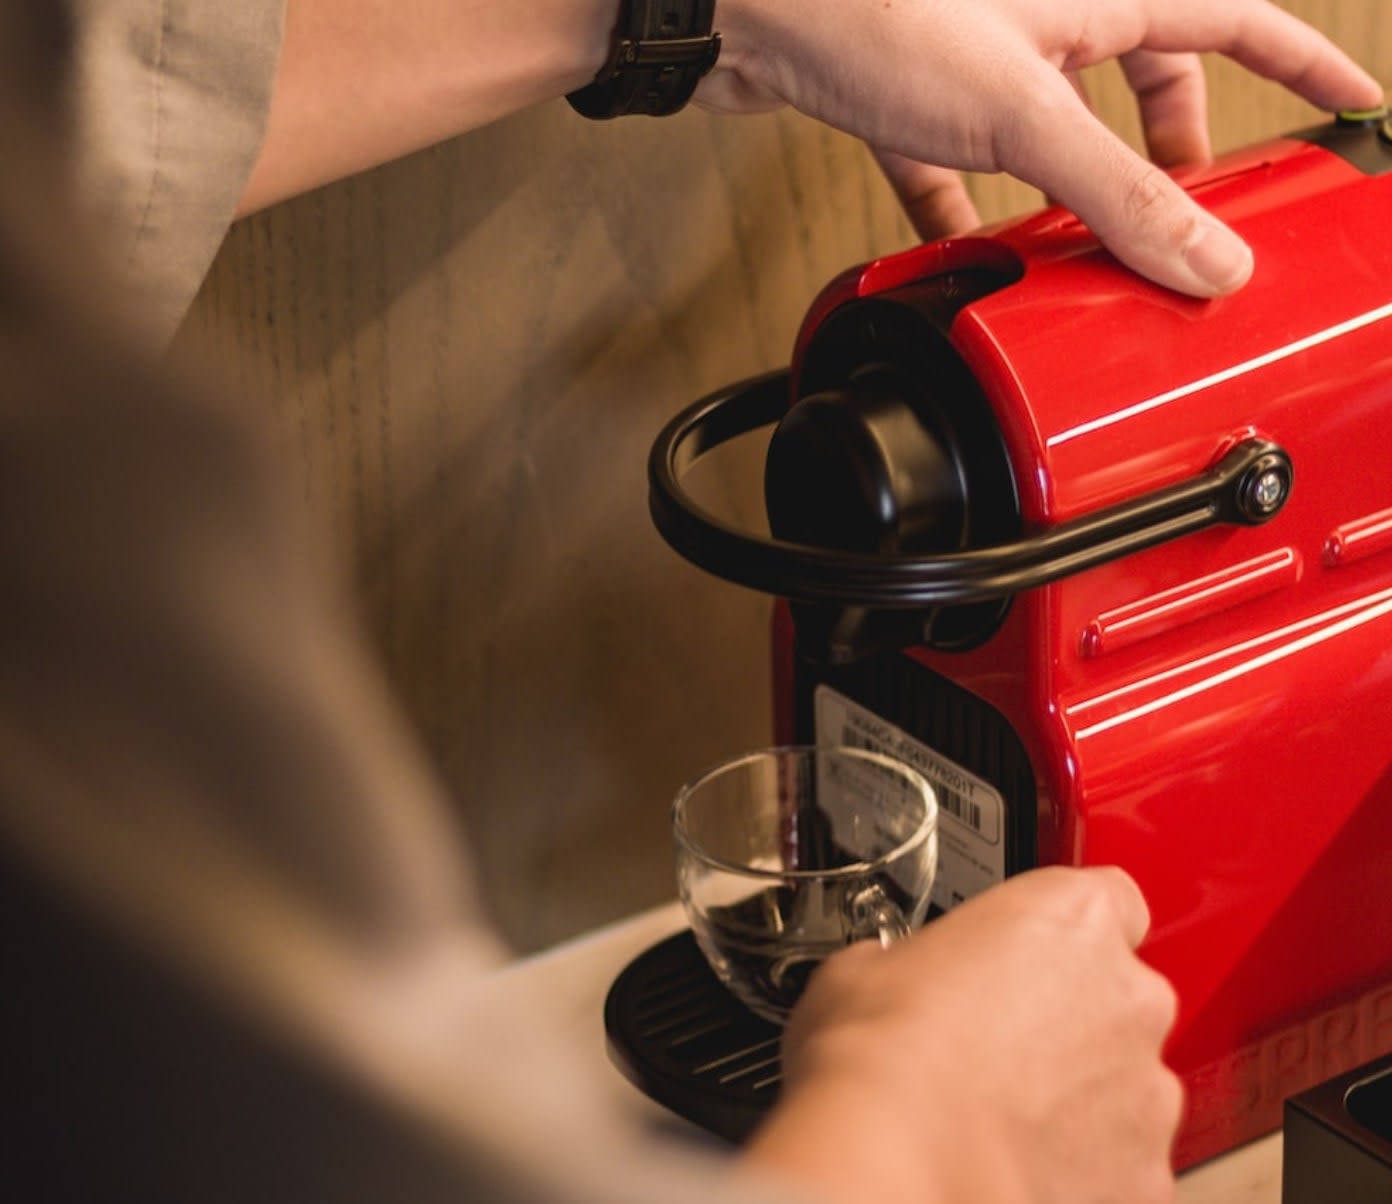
[1214, 714]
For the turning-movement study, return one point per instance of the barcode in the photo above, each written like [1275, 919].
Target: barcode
[948, 799]
[964, 809]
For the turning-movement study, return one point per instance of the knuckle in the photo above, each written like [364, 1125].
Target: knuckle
[1171, 1101]
[1068, 904]
[1087, 899]
[1157, 208]
[1123, 888]
[1156, 1002]
[1146, 193]
[1104, 901]
[1160, 1102]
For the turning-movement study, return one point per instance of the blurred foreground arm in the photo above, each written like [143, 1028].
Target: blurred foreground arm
[1008, 1053]
[982, 86]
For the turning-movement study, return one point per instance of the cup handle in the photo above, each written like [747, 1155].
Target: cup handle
[875, 915]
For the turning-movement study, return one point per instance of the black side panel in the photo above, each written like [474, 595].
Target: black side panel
[950, 720]
[1366, 144]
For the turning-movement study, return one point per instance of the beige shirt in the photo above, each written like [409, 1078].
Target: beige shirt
[242, 947]
[171, 103]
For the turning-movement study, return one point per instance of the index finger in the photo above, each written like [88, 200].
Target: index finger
[1267, 40]
[1140, 214]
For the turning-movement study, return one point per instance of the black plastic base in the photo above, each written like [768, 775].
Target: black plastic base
[1338, 1140]
[685, 1041]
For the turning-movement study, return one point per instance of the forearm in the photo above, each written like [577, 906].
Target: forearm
[361, 82]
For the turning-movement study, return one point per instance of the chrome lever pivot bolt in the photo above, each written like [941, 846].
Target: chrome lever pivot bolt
[1264, 489]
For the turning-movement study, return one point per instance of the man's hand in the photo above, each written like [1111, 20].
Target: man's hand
[984, 85]
[1009, 1052]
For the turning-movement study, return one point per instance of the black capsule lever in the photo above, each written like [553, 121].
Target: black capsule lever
[1248, 485]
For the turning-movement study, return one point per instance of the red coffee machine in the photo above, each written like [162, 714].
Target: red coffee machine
[1114, 568]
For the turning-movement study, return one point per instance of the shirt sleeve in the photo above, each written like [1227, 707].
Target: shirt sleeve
[170, 104]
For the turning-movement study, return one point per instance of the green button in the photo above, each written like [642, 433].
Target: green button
[1362, 116]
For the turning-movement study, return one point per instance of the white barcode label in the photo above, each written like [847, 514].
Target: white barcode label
[964, 809]
[971, 852]
[949, 799]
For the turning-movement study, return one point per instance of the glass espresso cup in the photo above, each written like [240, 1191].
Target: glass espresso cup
[785, 855]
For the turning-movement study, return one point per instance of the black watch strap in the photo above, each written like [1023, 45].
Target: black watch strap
[661, 50]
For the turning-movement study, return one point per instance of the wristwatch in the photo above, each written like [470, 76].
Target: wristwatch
[661, 50]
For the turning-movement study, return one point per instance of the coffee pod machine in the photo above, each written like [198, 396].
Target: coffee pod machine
[1113, 568]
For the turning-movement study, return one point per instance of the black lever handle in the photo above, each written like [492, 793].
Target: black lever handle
[1249, 485]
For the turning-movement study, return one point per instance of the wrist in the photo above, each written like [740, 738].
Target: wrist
[742, 25]
[754, 72]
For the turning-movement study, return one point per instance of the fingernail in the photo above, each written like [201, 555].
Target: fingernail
[1219, 258]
